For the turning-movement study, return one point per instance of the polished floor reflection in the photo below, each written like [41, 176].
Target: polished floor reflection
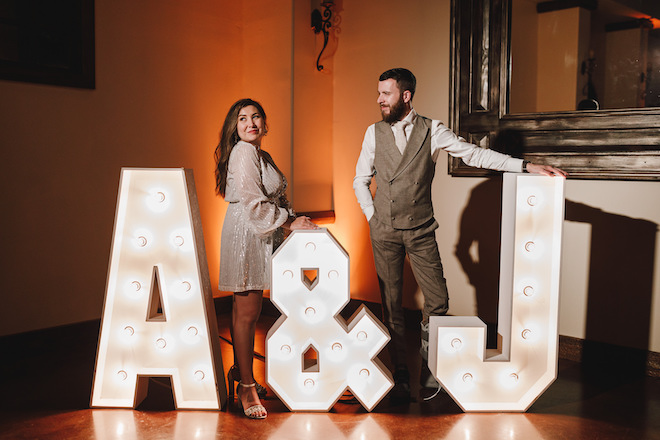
[45, 383]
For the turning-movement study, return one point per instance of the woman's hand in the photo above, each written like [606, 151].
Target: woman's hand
[302, 222]
[546, 170]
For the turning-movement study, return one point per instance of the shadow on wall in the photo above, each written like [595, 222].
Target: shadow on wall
[620, 282]
[478, 250]
[620, 292]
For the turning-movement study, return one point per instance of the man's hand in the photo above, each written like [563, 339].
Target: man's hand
[546, 170]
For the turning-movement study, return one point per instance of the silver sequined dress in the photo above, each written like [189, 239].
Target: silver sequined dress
[257, 208]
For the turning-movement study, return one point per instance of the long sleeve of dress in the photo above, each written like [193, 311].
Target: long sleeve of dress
[255, 185]
[255, 190]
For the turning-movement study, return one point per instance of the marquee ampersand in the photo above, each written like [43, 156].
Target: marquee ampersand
[312, 354]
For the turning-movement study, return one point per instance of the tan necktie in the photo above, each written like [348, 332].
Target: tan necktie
[400, 135]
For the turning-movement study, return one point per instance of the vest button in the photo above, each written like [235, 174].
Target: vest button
[414, 201]
[392, 201]
[410, 218]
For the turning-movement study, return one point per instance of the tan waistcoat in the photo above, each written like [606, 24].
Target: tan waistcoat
[403, 193]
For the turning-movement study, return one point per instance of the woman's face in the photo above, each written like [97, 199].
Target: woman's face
[250, 125]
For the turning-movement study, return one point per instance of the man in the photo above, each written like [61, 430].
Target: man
[400, 153]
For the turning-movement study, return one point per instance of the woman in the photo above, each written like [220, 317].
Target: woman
[249, 180]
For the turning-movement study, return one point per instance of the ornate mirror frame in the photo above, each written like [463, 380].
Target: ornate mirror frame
[593, 144]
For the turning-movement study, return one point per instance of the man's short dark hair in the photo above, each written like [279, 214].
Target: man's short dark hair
[405, 80]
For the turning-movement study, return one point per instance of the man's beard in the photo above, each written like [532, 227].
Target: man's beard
[397, 111]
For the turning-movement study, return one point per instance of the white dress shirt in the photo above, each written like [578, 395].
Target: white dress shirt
[442, 138]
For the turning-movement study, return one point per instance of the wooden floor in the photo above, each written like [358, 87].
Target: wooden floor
[45, 383]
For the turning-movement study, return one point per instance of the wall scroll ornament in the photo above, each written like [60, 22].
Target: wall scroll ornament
[513, 376]
[322, 22]
[312, 354]
[158, 316]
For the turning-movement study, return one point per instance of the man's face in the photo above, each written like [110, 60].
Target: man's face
[390, 99]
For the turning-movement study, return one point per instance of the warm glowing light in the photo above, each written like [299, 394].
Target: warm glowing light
[156, 317]
[157, 200]
[513, 376]
[310, 286]
[186, 285]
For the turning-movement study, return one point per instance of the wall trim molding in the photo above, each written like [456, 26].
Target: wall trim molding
[591, 355]
[625, 359]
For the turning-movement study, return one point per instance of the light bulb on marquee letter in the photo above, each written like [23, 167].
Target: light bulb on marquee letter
[514, 375]
[147, 329]
[310, 321]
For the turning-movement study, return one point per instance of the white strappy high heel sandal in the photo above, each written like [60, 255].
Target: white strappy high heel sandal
[254, 411]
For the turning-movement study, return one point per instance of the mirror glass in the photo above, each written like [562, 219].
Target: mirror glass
[604, 54]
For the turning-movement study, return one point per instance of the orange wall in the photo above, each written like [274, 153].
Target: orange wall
[163, 70]
[312, 177]
[372, 40]
[166, 75]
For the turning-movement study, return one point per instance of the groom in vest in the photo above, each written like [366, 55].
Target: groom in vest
[400, 152]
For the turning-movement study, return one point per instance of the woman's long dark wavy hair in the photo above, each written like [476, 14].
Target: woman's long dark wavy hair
[229, 138]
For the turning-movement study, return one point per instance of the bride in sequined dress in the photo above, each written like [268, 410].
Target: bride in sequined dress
[247, 178]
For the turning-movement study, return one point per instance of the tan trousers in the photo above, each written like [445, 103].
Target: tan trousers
[390, 247]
